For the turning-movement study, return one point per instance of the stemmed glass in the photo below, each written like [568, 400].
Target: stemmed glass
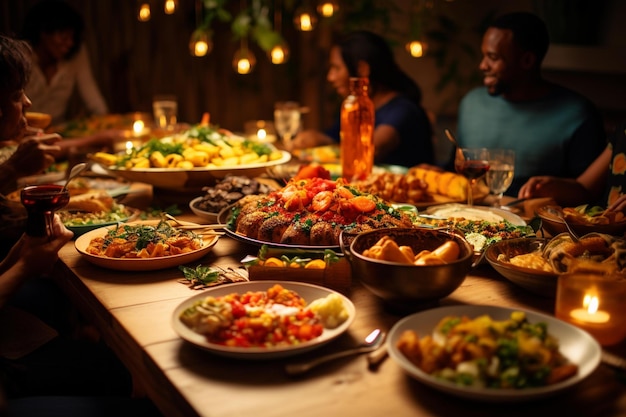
[41, 201]
[472, 163]
[287, 121]
[501, 172]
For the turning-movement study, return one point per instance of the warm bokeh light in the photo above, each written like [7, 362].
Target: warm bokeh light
[144, 12]
[417, 49]
[200, 43]
[305, 19]
[327, 8]
[170, 6]
[244, 61]
[279, 54]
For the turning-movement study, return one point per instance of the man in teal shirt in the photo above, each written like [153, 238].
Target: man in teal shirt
[553, 131]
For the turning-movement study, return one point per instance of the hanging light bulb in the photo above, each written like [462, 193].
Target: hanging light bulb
[170, 6]
[327, 8]
[144, 12]
[305, 18]
[279, 54]
[244, 60]
[201, 42]
[416, 48]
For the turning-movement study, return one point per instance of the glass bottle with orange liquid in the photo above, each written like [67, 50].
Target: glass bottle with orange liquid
[357, 131]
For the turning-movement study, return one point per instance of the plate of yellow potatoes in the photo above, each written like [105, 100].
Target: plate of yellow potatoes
[192, 159]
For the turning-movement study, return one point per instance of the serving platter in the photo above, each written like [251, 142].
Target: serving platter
[140, 264]
[225, 216]
[309, 292]
[196, 178]
[578, 346]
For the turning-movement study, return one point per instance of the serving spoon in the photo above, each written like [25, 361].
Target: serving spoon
[371, 343]
[74, 172]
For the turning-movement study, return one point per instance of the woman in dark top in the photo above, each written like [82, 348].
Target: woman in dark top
[402, 134]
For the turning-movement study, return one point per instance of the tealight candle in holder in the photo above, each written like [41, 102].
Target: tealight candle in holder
[260, 131]
[595, 303]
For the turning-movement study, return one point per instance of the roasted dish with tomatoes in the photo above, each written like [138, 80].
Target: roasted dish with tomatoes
[313, 212]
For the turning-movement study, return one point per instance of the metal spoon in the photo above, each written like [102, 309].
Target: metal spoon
[372, 342]
[76, 169]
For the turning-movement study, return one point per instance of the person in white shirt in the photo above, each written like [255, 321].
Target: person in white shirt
[61, 61]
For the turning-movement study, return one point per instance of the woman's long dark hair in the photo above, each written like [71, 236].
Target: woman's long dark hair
[384, 71]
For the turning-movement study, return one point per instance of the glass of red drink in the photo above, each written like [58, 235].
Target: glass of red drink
[473, 164]
[41, 201]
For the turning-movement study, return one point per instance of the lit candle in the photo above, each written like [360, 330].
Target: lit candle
[129, 147]
[590, 312]
[138, 127]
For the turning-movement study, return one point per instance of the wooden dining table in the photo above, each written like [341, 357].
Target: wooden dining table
[133, 312]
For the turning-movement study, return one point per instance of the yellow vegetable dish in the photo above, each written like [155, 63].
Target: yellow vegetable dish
[483, 352]
[198, 147]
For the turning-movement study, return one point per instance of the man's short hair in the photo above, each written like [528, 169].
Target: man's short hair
[529, 32]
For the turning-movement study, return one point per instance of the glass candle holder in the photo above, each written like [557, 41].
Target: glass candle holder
[594, 303]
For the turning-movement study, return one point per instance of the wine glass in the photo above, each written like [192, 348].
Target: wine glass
[501, 171]
[41, 201]
[472, 163]
[287, 121]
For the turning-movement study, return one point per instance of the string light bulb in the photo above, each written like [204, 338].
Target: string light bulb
[305, 18]
[170, 6]
[244, 60]
[416, 48]
[279, 54]
[327, 8]
[201, 42]
[144, 13]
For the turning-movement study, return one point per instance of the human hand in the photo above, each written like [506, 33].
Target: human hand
[33, 155]
[618, 205]
[37, 255]
[540, 186]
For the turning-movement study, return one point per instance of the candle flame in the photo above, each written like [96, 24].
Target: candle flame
[261, 134]
[591, 303]
[138, 126]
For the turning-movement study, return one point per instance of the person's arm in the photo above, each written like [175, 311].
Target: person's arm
[30, 257]
[87, 85]
[568, 191]
[310, 138]
[386, 139]
[33, 155]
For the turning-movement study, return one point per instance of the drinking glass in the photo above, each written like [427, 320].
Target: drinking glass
[287, 121]
[165, 110]
[472, 163]
[501, 172]
[41, 201]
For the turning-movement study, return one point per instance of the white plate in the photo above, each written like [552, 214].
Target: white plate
[196, 178]
[141, 264]
[575, 344]
[206, 215]
[307, 291]
[480, 213]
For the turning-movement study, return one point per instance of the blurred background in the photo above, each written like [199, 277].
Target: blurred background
[134, 60]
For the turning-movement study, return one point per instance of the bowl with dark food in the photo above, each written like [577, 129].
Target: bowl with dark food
[582, 219]
[226, 192]
[418, 267]
[521, 261]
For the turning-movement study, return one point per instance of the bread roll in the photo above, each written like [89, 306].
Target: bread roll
[91, 202]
